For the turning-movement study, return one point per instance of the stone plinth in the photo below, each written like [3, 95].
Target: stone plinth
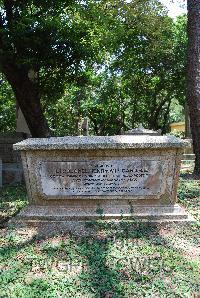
[84, 178]
[12, 172]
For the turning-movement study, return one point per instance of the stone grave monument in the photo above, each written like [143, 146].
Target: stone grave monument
[140, 130]
[11, 171]
[83, 178]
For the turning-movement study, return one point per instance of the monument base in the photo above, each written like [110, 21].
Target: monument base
[43, 214]
[74, 180]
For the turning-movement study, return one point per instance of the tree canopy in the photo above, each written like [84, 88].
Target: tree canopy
[118, 63]
[44, 45]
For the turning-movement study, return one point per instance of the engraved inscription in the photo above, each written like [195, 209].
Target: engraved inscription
[101, 178]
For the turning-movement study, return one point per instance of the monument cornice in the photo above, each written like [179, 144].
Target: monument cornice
[101, 142]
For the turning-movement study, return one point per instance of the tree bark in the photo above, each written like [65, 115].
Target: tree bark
[193, 77]
[27, 96]
[153, 120]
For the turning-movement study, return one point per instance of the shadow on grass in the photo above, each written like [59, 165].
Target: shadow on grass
[123, 259]
[102, 260]
[12, 200]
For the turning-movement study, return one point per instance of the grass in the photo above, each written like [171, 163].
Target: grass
[189, 194]
[12, 200]
[121, 260]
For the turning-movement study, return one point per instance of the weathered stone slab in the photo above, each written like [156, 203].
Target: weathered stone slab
[12, 173]
[86, 177]
[105, 177]
[101, 142]
[63, 213]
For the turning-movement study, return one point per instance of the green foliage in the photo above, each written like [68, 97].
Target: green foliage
[180, 53]
[189, 195]
[177, 133]
[176, 113]
[118, 63]
[7, 107]
[12, 199]
[139, 80]
[58, 43]
[63, 115]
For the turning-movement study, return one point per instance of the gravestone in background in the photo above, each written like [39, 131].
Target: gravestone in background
[12, 171]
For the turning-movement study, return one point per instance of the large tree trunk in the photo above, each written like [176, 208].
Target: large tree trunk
[187, 122]
[27, 96]
[193, 83]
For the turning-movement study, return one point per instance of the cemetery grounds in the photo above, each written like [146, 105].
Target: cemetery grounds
[123, 259]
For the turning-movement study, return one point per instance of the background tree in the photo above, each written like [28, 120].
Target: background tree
[145, 72]
[43, 44]
[193, 79]
[118, 63]
[7, 106]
